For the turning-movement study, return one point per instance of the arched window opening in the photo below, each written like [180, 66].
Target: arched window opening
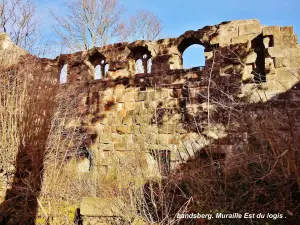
[139, 68]
[98, 60]
[142, 57]
[63, 77]
[106, 68]
[259, 71]
[98, 73]
[193, 56]
[149, 65]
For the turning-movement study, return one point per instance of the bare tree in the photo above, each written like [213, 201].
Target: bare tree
[17, 19]
[144, 25]
[89, 23]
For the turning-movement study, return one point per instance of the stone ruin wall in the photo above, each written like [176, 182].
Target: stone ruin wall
[156, 111]
[125, 111]
[165, 110]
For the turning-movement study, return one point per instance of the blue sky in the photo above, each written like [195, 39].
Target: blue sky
[179, 16]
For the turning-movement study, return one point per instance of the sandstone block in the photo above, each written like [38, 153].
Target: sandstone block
[121, 146]
[249, 28]
[272, 30]
[130, 129]
[292, 52]
[127, 120]
[163, 139]
[108, 92]
[128, 139]
[151, 96]
[175, 118]
[144, 129]
[144, 119]
[162, 94]
[119, 95]
[151, 139]
[122, 129]
[139, 139]
[247, 76]
[150, 104]
[285, 74]
[250, 59]
[269, 66]
[243, 38]
[208, 55]
[129, 96]
[174, 140]
[122, 113]
[140, 96]
[105, 149]
[166, 129]
[107, 129]
[278, 62]
[129, 106]
[105, 138]
[115, 137]
[114, 120]
[285, 40]
[171, 103]
[275, 52]
[287, 30]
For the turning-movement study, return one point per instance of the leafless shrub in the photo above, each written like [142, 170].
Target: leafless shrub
[17, 19]
[13, 99]
[89, 23]
[143, 26]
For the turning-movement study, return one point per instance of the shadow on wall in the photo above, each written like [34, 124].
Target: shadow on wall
[20, 205]
[245, 170]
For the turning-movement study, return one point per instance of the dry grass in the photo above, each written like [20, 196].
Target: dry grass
[13, 99]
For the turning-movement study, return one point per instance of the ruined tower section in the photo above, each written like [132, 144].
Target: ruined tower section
[142, 99]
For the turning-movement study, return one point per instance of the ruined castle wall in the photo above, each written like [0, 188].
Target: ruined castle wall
[166, 109]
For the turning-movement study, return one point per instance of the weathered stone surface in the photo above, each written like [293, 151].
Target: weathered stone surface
[244, 38]
[272, 30]
[275, 51]
[169, 105]
[10, 53]
[287, 30]
[250, 28]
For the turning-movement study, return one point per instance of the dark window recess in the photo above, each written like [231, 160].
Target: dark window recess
[271, 43]
[84, 152]
[214, 46]
[259, 70]
[100, 64]
[163, 159]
